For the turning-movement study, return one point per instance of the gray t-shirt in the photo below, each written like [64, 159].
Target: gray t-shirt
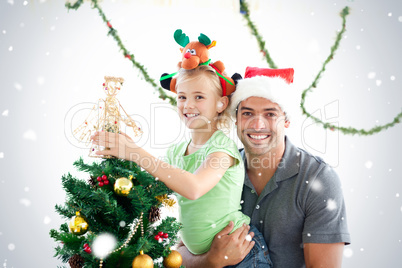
[301, 203]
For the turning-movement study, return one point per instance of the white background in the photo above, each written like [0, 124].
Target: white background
[53, 62]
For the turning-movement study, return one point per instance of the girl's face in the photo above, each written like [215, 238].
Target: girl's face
[197, 103]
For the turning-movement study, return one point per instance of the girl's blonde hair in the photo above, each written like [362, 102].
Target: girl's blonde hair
[223, 120]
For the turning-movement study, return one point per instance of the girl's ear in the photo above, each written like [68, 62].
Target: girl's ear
[222, 104]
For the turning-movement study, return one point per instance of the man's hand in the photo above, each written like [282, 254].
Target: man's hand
[230, 249]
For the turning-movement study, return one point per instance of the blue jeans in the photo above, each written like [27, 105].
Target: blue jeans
[258, 256]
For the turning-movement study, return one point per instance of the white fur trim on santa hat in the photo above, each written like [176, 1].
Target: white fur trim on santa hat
[274, 89]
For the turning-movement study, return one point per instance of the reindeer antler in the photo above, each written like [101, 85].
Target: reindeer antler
[181, 38]
[204, 39]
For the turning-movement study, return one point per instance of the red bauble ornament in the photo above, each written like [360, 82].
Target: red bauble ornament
[160, 234]
[106, 182]
[104, 177]
[100, 184]
[157, 237]
[99, 179]
[165, 235]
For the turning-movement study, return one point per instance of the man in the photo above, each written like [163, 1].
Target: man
[293, 198]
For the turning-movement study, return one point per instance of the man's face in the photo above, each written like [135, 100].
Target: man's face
[260, 125]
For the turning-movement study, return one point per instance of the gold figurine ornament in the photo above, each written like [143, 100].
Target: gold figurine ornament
[106, 116]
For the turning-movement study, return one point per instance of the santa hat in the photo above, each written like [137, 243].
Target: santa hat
[271, 84]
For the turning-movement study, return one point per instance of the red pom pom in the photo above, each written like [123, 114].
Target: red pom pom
[157, 237]
[104, 177]
[99, 179]
[100, 184]
[160, 233]
[106, 182]
[165, 235]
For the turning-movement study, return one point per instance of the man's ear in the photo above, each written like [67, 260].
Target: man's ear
[222, 104]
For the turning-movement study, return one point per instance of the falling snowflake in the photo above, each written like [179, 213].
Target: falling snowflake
[40, 80]
[397, 195]
[226, 257]
[11, 2]
[25, 3]
[316, 185]
[348, 252]
[25, 202]
[400, 18]
[331, 204]
[308, 234]
[362, 249]
[26, 189]
[47, 220]
[10, 48]
[371, 75]
[392, 78]
[11, 247]
[389, 14]
[17, 86]
[30, 135]
[1, 155]
[368, 164]
[103, 244]
[5, 113]
[122, 224]
[378, 82]
[213, 225]
[358, 47]
[248, 237]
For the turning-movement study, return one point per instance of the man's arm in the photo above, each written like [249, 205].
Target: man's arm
[226, 249]
[323, 255]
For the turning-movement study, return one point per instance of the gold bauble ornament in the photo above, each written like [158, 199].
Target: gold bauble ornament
[78, 224]
[123, 186]
[143, 261]
[173, 260]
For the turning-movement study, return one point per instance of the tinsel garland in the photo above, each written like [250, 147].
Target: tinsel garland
[246, 13]
[261, 43]
[345, 130]
[126, 53]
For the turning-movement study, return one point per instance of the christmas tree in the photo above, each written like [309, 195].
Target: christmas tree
[114, 216]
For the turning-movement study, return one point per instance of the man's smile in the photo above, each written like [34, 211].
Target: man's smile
[258, 136]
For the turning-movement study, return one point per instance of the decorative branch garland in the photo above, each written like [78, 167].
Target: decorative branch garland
[344, 130]
[261, 43]
[126, 53]
[246, 12]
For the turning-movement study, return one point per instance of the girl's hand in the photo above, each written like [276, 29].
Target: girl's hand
[117, 145]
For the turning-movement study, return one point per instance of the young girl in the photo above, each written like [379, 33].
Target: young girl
[207, 172]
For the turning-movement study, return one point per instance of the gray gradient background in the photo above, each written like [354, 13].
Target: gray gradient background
[53, 62]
